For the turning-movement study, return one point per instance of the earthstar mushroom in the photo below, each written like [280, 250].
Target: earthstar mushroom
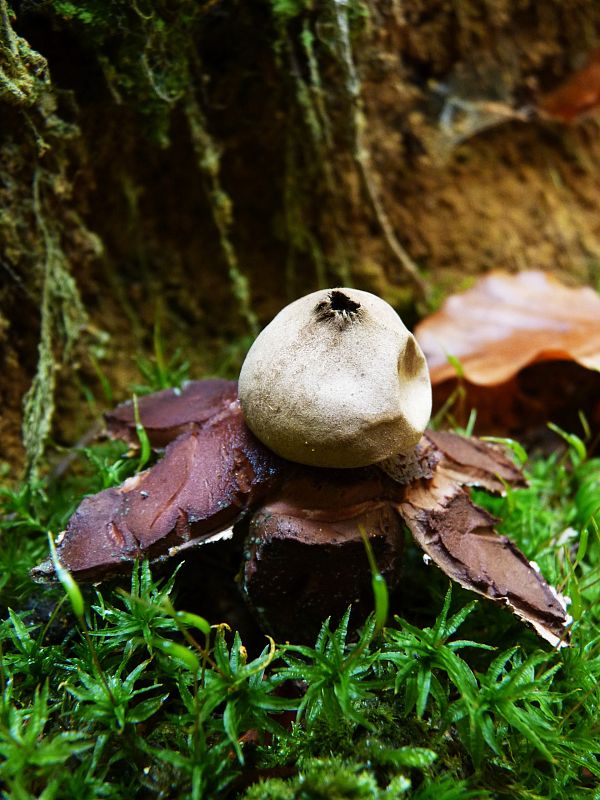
[304, 558]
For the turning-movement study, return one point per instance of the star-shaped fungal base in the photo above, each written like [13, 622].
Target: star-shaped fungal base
[304, 557]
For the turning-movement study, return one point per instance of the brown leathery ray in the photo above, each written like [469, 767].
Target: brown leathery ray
[170, 412]
[459, 537]
[207, 478]
[304, 519]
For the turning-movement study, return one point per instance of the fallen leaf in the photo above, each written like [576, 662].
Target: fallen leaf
[534, 340]
[577, 96]
[506, 322]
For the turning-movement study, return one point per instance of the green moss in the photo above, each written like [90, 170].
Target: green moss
[464, 706]
[333, 779]
[144, 50]
[209, 162]
[312, 148]
[287, 10]
[147, 54]
[62, 317]
[328, 141]
[23, 71]
[328, 779]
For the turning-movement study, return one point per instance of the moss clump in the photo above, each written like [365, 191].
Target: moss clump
[141, 700]
[329, 779]
[23, 72]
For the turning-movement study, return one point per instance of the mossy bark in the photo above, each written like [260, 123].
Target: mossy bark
[209, 161]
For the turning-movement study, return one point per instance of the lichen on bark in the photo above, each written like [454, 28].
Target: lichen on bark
[31, 231]
[62, 318]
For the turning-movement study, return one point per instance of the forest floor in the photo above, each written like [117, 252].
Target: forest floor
[135, 690]
[186, 169]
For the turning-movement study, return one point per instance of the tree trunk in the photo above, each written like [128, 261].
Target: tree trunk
[201, 163]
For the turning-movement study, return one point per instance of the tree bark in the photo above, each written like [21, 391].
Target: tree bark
[207, 162]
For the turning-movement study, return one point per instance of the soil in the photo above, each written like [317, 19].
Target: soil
[135, 210]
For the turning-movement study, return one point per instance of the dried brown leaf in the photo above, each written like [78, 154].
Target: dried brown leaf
[577, 96]
[529, 352]
[506, 322]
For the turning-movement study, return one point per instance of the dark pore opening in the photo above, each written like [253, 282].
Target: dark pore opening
[337, 309]
[341, 302]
